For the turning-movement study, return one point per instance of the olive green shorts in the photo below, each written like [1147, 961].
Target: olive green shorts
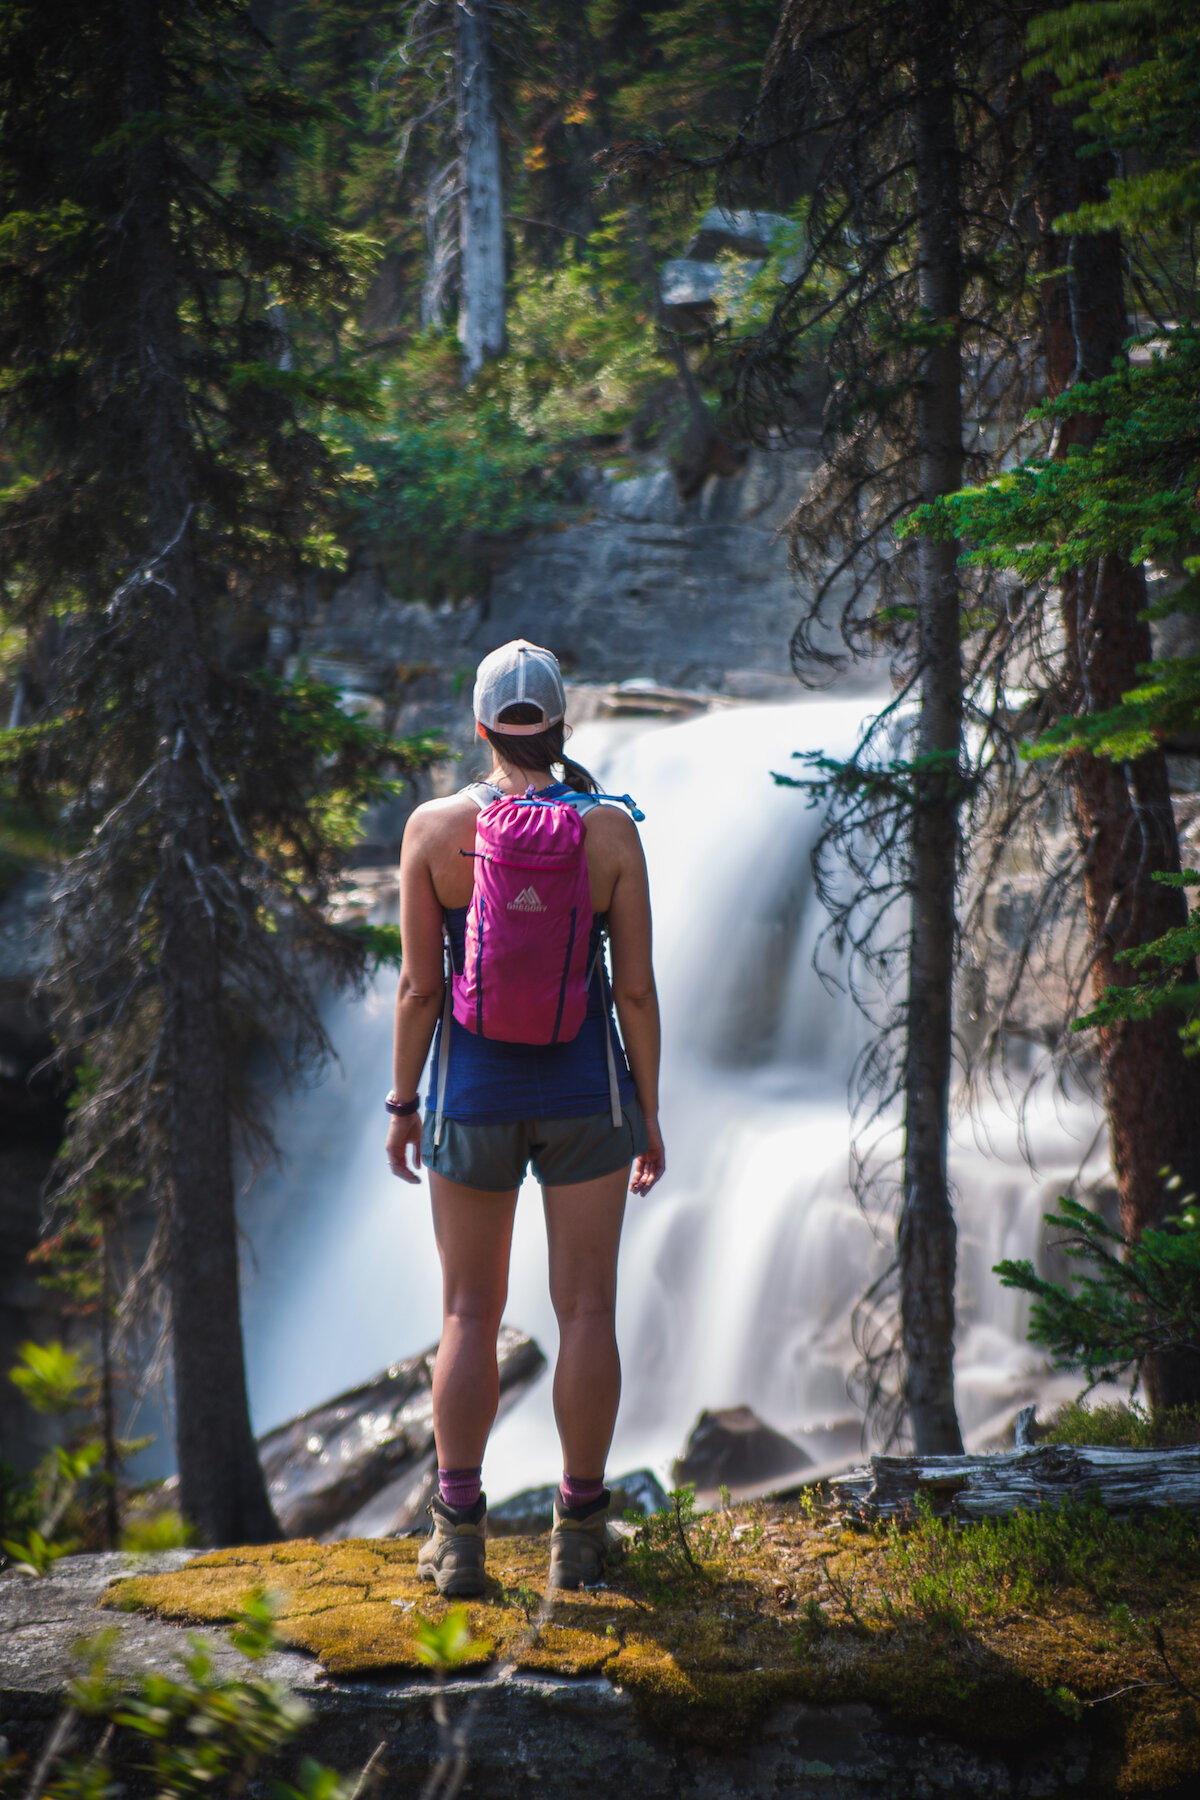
[560, 1151]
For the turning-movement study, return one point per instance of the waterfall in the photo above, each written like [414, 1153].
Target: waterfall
[740, 1271]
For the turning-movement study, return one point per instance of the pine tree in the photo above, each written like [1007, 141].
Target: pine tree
[167, 472]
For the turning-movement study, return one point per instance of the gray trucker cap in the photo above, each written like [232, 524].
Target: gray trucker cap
[519, 674]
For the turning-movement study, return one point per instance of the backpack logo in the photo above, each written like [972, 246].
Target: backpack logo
[527, 901]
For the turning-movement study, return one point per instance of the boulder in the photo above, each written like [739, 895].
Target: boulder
[532, 1511]
[747, 233]
[364, 1463]
[735, 1450]
[686, 283]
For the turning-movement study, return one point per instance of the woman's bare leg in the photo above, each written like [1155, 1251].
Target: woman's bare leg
[583, 1224]
[474, 1235]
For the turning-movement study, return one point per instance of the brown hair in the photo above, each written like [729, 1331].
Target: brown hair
[541, 750]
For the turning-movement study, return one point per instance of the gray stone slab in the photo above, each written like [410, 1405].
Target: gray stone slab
[44, 1619]
[523, 1734]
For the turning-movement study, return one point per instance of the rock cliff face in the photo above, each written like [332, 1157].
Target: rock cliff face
[692, 593]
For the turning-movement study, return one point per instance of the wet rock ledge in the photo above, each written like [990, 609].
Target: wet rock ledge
[528, 1729]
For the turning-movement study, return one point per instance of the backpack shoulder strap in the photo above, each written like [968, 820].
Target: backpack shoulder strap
[583, 803]
[482, 793]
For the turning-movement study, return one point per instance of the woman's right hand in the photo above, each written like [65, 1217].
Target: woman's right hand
[401, 1133]
[651, 1165]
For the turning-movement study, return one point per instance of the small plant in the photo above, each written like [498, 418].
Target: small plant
[525, 1598]
[58, 1382]
[811, 1503]
[812, 1625]
[192, 1733]
[32, 1554]
[165, 1529]
[670, 1547]
[445, 1643]
[52, 1378]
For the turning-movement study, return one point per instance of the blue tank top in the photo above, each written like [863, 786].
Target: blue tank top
[493, 1083]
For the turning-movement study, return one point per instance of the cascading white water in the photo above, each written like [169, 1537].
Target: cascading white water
[739, 1273]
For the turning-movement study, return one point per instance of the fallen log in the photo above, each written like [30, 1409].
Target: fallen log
[363, 1464]
[1123, 1482]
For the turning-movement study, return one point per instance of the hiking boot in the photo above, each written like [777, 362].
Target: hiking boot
[452, 1555]
[579, 1543]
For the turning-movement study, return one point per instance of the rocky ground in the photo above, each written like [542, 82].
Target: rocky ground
[768, 1649]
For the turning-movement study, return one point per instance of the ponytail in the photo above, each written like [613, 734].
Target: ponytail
[542, 750]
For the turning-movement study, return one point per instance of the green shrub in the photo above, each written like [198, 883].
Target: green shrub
[1124, 1427]
[952, 1575]
[1142, 1298]
[674, 1550]
[193, 1733]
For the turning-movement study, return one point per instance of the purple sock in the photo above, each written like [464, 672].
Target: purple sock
[577, 1492]
[459, 1488]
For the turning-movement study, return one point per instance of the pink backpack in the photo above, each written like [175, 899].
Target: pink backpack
[524, 976]
[525, 973]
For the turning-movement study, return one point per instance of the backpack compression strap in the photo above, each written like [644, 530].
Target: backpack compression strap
[482, 793]
[444, 1044]
[614, 1086]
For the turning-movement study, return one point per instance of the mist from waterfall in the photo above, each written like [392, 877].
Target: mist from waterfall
[740, 1271]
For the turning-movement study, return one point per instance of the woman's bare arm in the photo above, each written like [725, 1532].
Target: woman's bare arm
[421, 990]
[635, 994]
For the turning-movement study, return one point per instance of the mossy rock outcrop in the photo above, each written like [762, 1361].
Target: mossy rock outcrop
[1003, 1638]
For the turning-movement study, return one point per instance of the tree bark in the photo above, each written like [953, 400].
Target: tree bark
[1123, 810]
[927, 1234]
[481, 208]
[222, 1492]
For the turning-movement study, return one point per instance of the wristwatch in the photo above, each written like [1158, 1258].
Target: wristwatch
[402, 1109]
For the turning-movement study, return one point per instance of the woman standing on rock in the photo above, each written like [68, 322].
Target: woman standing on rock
[523, 876]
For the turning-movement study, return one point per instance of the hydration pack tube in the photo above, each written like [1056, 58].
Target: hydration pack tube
[573, 799]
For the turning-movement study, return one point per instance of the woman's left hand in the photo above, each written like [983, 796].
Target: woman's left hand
[403, 1132]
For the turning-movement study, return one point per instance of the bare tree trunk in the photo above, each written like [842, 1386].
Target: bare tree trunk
[927, 1233]
[481, 208]
[441, 244]
[222, 1491]
[1123, 810]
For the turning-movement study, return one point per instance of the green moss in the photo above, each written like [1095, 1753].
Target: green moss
[995, 1635]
